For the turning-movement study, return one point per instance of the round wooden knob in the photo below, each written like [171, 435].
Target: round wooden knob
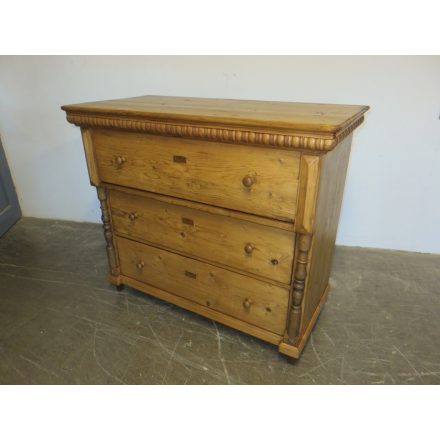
[247, 181]
[132, 216]
[248, 248]
[247, 303]
[140, 265]
[120, 160]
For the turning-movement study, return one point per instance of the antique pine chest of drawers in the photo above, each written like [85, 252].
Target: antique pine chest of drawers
[226, 208]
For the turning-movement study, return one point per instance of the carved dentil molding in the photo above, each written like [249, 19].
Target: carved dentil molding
[229, 135]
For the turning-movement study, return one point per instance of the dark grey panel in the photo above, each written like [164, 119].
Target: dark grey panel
[9, 208]
[4, 201]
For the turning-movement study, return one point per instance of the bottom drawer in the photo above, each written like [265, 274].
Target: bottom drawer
[250, 300]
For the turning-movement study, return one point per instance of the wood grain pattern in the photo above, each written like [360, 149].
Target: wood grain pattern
[297, 293]
[308, 193]
[108, 232]
[213, 173]
[294, 351]
[289, 125]
[227, 208]
[273, 223]
[202, 234]
[331, 189]
[207, 312]
[269, 138]
[258, 303]
[90, 157]
[308, 117]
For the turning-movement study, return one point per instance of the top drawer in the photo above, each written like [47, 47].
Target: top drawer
[261, 181]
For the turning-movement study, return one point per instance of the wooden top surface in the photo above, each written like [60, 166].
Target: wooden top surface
[295, 116]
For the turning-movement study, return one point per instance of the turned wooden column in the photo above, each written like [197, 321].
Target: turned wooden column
[108, 234]
[299, 280]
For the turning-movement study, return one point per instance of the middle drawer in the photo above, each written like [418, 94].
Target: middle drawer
[254, 248]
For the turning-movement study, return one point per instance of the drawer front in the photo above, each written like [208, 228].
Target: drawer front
[258, 249]
[261, 181]
[248, 299]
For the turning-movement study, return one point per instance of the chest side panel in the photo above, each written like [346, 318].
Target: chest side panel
[330, 194]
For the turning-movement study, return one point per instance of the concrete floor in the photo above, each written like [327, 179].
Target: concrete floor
[62, 323]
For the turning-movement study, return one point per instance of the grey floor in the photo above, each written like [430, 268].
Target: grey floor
[62, 323]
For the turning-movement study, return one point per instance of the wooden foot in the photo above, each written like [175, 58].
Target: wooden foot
[120, 287]
[289, 350]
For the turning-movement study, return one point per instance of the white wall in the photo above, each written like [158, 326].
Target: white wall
[393, 186]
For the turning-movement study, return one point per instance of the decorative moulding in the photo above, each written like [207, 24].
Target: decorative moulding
[237, 135]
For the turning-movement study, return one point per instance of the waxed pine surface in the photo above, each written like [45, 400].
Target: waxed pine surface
[294, 115]
[61, 322]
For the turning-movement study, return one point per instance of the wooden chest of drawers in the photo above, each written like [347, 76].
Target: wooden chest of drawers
[226, 208]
